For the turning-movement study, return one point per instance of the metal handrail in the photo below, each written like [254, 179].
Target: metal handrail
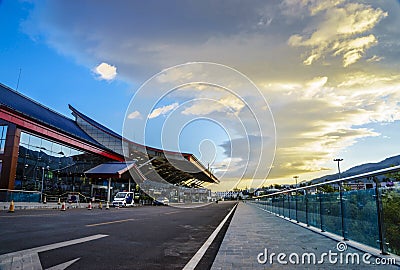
[345, 179]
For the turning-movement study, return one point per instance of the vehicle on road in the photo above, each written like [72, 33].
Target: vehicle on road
[161, 201]
[123, 199]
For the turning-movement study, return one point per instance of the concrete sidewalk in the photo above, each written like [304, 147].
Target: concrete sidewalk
[253, 231]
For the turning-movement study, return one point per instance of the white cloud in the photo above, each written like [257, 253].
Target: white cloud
[135, 115]
[337, 32]
[163, 110]
[228, 104]
[313, 126]
[105, 71]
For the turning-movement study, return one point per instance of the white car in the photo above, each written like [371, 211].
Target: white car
[161, 201]
[123, 199]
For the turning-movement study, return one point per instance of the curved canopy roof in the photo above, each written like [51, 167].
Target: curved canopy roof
[26, 106]
[173, 167]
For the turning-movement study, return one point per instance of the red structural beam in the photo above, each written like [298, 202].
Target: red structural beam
[48, 132]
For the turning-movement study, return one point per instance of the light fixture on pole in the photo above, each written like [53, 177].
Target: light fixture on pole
[41, 188]
[296, 177]
[341, 199]
[338, 165]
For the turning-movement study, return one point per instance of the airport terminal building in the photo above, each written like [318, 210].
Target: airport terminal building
[43, 152]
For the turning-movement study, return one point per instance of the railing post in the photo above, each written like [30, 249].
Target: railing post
[295, 197]
[273, 209]
[379, 209]
[306, 194]
[270, 205]
[342, 210]
[320, 210]
[289, 203]
[274, 205]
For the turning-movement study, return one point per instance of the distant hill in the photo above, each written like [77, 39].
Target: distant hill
[364, 168]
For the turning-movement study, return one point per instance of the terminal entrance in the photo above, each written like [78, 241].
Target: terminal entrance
[99, 193]
[110, 178]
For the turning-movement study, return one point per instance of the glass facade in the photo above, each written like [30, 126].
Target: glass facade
[53, 168]
[100, 136]
[3, 135]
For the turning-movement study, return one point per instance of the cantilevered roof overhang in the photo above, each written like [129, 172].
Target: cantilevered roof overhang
[110, 169]
[173, 167]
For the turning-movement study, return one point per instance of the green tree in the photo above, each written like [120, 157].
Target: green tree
[327, 189]
[391, 219]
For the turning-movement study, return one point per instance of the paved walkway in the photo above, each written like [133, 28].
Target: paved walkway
[253, 231]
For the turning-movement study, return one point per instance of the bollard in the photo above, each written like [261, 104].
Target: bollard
[100, 205]
[107, 206]
[90, 206]
[59, 201]
[63, 207]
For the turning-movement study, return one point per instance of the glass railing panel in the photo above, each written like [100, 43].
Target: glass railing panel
[301, 208]
[285, 205]
[269, 204]
[331, 213]
[274, 207]
[360, 216]
[282, 206]
[277, 205]
[313, 210]
[292, 205]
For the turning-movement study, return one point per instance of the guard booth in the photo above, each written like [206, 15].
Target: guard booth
[110, 178]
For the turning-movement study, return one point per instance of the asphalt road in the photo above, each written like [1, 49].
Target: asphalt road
[150, 237]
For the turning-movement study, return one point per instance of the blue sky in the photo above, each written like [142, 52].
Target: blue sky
[326, 77]
[52, 78]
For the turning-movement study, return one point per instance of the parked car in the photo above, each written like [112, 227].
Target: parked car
[123, 199]
[161, 201]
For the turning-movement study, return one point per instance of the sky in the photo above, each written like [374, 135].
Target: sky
[260, 91]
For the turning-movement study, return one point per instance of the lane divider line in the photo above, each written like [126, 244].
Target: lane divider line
[173, 212]
[191, 265]
[109, 222]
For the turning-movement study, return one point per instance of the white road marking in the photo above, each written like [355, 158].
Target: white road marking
[174, 212]
[110, 222]
[191, 265]
[63, 266]
[29, 258]
[189, 205]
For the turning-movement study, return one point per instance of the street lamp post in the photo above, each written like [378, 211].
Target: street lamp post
[296, 177]
[41, 187]
[338, 160]
[338, 165]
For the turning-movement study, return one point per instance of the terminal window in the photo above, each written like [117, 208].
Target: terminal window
[3, 135]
